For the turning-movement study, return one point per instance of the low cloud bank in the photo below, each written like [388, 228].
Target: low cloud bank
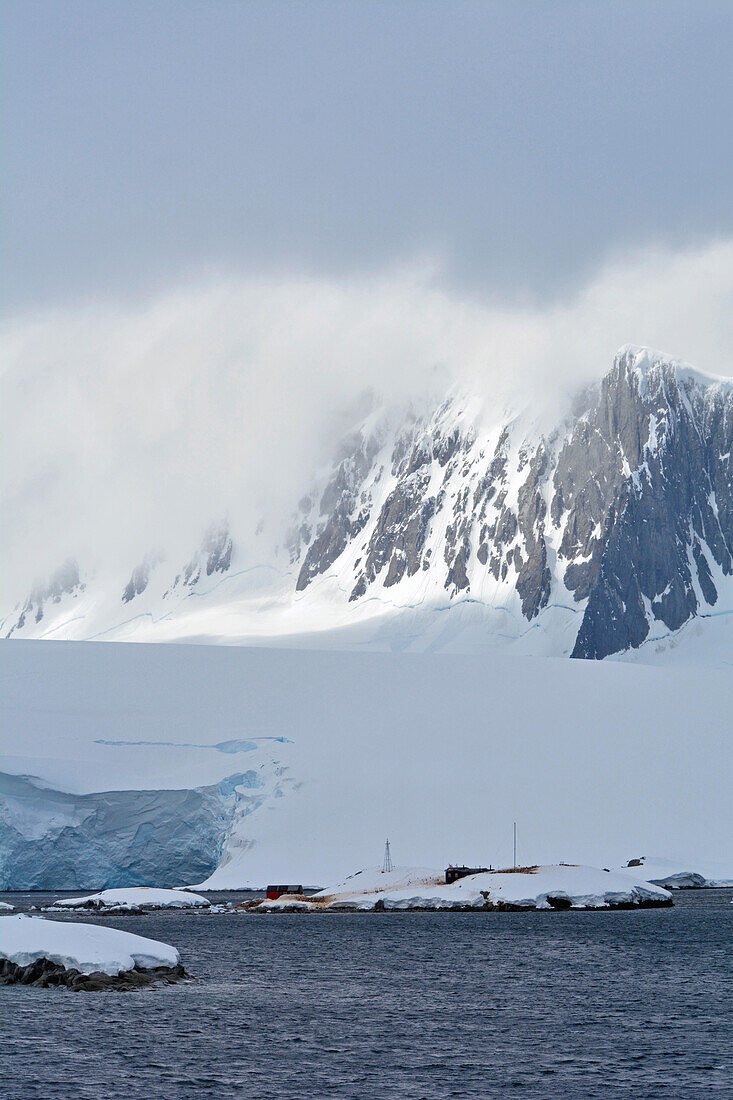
[130, 427]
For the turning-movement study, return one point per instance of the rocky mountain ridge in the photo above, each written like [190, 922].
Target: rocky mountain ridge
[626, 509]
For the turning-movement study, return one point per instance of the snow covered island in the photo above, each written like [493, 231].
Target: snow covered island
[40, 952]
[133, 899]
[551, 887]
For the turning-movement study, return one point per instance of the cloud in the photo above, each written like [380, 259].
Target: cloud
[128, 427]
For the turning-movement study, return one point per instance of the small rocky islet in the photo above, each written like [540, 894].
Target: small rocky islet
[35, 951]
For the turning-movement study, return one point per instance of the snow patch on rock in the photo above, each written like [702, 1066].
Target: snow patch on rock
[88, 948]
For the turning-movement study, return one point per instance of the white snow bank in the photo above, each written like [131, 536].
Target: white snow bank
[680, 874]
[135, 899]
[288, 903]
[372, 881]
[86, 947]
[4, 905]
[548, 887]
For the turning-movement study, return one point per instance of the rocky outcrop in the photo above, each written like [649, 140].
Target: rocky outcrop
[214, 556]
[343, 512]
[44, 974]
[399, 535]
[140, 577]
[65, 581]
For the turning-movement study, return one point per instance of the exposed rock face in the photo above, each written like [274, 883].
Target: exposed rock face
[137, 583]
[65, 581]
[214, 556]
[140, 577]
[666, 514]
[398, 538]
[45, 974]
[346, 505]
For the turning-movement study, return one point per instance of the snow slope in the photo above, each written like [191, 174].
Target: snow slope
[313, 758]
[680, 874]
[372, 880]
[89, 948]
[536, 888]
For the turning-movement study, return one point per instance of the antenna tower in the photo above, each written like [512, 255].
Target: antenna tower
[387, 864]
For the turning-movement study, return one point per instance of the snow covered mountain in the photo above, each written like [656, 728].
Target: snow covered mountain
[609, 532]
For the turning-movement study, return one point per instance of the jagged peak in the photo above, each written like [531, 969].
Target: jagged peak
[644, 362]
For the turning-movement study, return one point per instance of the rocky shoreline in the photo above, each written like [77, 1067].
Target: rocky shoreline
[44, 974]
[555, 905]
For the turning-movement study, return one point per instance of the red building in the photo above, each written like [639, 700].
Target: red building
[274, 892]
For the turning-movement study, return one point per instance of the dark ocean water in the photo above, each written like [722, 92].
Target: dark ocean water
[613, 1005]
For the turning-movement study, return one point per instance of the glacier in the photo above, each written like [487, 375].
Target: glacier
[242, 765]
[52, 839]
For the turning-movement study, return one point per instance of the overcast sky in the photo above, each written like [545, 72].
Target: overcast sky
[520, 143]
